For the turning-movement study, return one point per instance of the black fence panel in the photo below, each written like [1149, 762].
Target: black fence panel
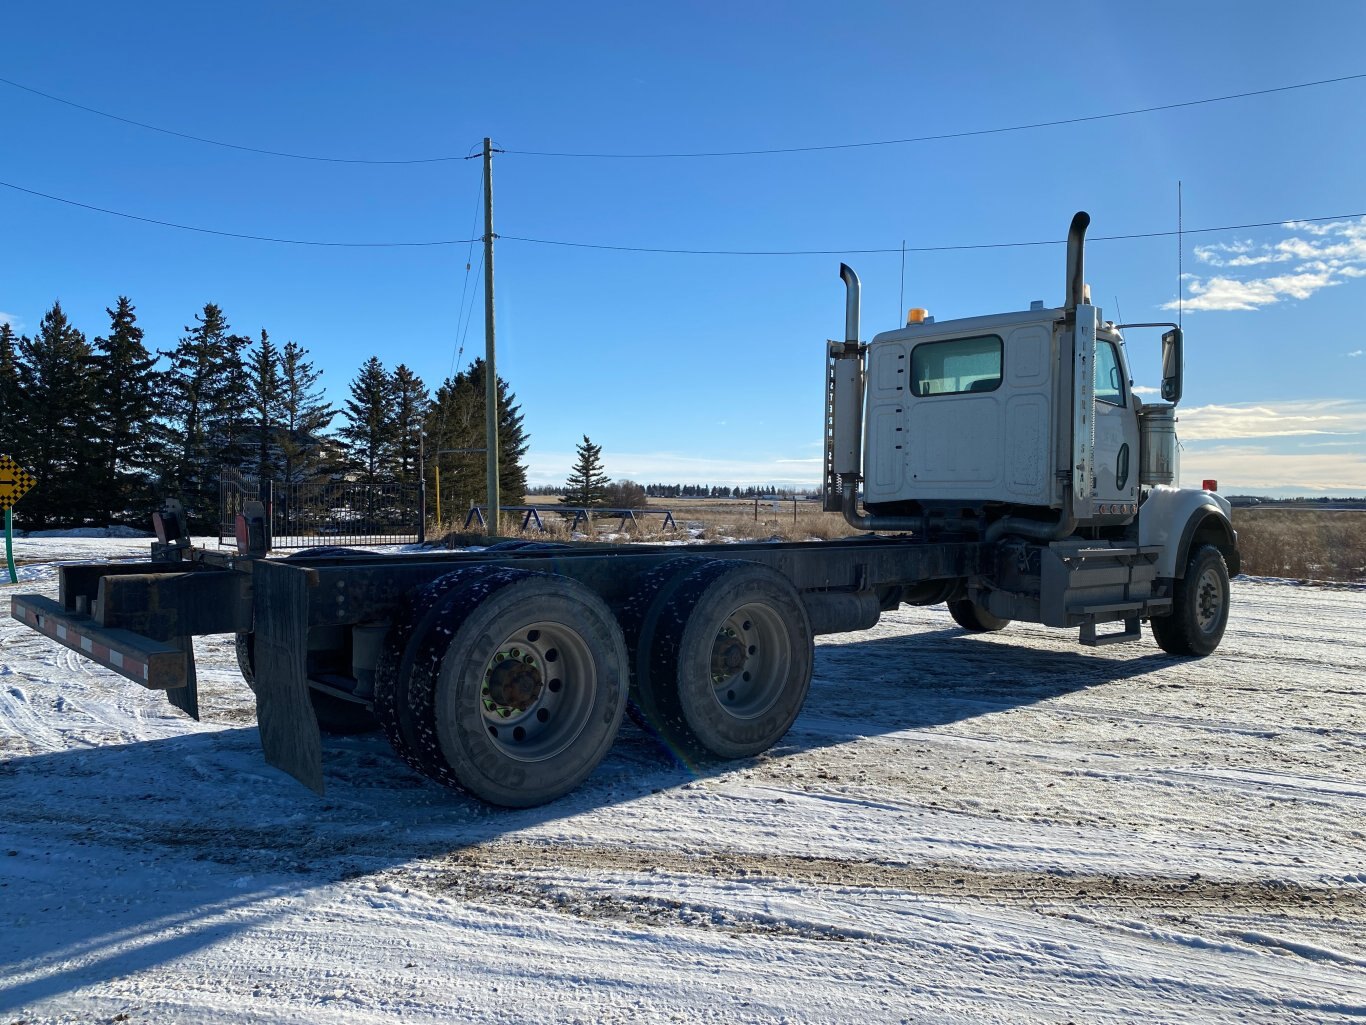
[304, 515]
[233, 491]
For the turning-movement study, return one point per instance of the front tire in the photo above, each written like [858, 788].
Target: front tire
[971, 616]
[1200, 604]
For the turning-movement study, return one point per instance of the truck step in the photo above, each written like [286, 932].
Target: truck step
[1132, 631]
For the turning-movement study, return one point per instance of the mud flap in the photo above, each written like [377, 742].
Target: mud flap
[186, 698]
[289, 729]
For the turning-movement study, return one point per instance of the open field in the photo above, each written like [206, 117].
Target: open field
[958, 829]
[1306, 544]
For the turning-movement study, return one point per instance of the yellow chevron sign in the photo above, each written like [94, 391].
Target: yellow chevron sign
[14, 482]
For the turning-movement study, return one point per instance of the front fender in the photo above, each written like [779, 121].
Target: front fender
[1178, 518]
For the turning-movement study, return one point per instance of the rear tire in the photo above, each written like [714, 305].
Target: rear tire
[971, 616]
[393, 669]
[638, 616]
[1200, 604]
[517, 686]
[722, 659]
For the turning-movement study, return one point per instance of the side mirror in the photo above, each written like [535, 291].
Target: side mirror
[1173, 363]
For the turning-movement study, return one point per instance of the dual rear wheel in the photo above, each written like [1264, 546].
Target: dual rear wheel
[511, 684]
[721, 656]
[503, 682]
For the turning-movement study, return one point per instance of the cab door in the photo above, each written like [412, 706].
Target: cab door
[1116, 449]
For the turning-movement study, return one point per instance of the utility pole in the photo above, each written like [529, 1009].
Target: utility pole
[490, 368]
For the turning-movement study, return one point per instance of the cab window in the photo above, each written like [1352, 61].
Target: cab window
[1109, 377]
[956, 366]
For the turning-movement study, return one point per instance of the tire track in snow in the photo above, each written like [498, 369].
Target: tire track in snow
[519, 858]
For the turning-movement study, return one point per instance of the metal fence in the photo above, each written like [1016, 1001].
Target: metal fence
[303, 515]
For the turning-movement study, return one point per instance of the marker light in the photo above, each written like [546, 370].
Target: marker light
[1210, 485]
[916, 315]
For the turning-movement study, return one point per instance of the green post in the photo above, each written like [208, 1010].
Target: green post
[9, 544]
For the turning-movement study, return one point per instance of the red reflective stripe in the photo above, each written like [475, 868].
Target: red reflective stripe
[98, 652]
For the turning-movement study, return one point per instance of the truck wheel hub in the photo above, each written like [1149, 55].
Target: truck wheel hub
[727, 656]
[1209, 600]
[513, 683]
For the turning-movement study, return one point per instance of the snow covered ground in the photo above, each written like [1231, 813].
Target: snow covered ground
[1004, 828]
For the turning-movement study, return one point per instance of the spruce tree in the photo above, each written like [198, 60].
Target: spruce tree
[126, 401]
[456, 421]
[233, 419]
[370, 431]
[56, 379]
[206, 411]
[587, 484]
[263, 365]
[304, 415]
[410, 412]
[13, 434]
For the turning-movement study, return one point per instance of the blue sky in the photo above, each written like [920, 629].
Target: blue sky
[709, 368]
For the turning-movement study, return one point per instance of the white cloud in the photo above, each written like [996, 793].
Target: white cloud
[1143, 389]
[1254, 469]
[1353, 355]
[1319, 256]
[1231, 294]
[12, 320]
[1272, 419]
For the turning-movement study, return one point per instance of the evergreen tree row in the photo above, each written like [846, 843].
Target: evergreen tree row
[109, 428]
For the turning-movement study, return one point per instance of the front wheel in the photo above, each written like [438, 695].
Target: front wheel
[1200, 602]
[971, 616]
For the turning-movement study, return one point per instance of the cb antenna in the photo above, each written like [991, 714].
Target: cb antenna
[901, 303]
[1180, 261]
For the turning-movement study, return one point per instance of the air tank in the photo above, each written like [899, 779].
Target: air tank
[1157, 444]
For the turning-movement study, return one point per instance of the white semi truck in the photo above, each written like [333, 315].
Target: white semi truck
[1000, 464]
[1023, 429]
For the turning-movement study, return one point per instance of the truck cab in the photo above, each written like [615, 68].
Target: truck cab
[1022, 428]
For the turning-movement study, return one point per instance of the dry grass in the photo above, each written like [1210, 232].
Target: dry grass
[1305, 544]
[700, 519]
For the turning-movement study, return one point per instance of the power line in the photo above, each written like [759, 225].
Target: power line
[924, 249]
[686, 252]
[235, 234]
[220, 142]
[460, 317]
[945, 135]
[442, 158]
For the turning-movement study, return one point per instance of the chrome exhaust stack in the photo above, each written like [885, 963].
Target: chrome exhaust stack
[1076, 262]
[1066, 523]
[846, 384]
[844, 403]
[844, 421]
[853, 291]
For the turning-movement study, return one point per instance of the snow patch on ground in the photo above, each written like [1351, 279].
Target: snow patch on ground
[115, 531]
